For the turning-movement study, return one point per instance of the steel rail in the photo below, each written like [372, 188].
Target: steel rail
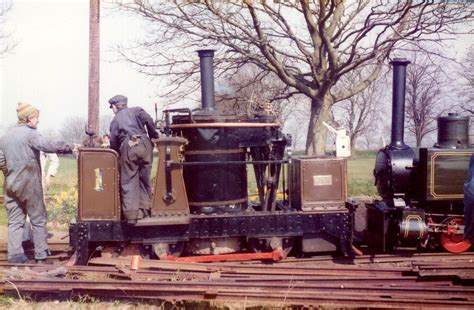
[290, 294]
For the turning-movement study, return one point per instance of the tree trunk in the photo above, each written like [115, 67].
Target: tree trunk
[316, 138]
[353, 140]
[418, 137]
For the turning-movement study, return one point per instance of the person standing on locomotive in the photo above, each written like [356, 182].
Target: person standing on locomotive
[130, 133]
[23, 191]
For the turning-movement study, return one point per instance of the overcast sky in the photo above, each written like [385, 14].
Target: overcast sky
[49, 66]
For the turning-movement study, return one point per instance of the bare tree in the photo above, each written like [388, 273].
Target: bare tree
[73, 129]
[296, 124]
[359, 113]
[50, 133]
[309, 45]
[104, 124]
[425, 83]
[6, 42]
[467, 73]
[247, 93]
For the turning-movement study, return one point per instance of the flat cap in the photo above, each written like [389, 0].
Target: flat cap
[118, 99]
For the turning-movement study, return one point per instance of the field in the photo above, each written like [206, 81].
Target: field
[360, 167]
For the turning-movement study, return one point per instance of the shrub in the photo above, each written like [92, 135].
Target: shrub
[63, 207]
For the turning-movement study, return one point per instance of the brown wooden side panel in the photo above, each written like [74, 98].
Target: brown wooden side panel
[319, 183]
[177, 206]
[98, 184]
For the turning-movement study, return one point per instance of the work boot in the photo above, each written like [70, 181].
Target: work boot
[131, 216]
[143, 213]
[28, 245]
[18, 259]
[41, 257]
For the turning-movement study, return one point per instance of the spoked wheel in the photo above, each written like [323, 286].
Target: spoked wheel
[260, 245]
[452, 238]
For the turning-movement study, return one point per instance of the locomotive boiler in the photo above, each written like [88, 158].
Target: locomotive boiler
[201, 204]
[422, 192]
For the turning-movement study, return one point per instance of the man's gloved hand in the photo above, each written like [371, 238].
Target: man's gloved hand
[70, 149]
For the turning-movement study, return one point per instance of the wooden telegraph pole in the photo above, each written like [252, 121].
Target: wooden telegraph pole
[94, 58]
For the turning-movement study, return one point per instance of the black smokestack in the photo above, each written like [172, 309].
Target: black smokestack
[398, 102]
[207, 78]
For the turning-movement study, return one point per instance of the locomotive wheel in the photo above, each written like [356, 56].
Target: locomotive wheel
[214, 246]
[451, 240]
[259, 245]
[168, 249]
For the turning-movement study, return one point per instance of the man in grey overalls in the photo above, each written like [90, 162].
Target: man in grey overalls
[23, 192]
[130, 133]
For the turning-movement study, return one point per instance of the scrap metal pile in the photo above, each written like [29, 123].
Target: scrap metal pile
[411, 280]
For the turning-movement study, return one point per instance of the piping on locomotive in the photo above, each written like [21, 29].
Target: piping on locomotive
[200, 200]
[422, 194]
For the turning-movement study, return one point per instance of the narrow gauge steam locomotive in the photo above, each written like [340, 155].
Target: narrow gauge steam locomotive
[200, 201]
[422, 193]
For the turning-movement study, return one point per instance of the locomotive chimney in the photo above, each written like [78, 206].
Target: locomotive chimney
[398, 102]
[207, 78]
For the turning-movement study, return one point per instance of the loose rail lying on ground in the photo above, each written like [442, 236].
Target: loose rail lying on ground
[420, 280]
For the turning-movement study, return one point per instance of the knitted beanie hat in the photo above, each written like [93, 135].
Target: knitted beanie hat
[24, 110]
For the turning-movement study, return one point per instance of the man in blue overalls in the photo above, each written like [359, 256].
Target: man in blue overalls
[130, 133]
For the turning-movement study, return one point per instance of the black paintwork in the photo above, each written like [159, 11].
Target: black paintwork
[249, 224]
[398, 102]
[453, 132]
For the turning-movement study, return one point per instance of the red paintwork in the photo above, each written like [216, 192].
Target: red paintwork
[275, 255]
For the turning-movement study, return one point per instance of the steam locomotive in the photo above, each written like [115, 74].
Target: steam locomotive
[422, 194]
[200, 199]
[201, 204]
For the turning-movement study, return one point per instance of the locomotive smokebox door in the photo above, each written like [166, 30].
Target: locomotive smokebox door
[318, 183]
[98, 185]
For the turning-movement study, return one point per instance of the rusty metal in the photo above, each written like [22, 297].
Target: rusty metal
[326, 270]
[425, 284]
[60, 251]
[135, 262]
[289, 294]
[275, 256]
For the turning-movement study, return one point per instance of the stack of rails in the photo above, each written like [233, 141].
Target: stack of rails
[418, 281]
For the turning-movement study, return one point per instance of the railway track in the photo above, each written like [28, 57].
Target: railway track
[438, 280]
[60, 252]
